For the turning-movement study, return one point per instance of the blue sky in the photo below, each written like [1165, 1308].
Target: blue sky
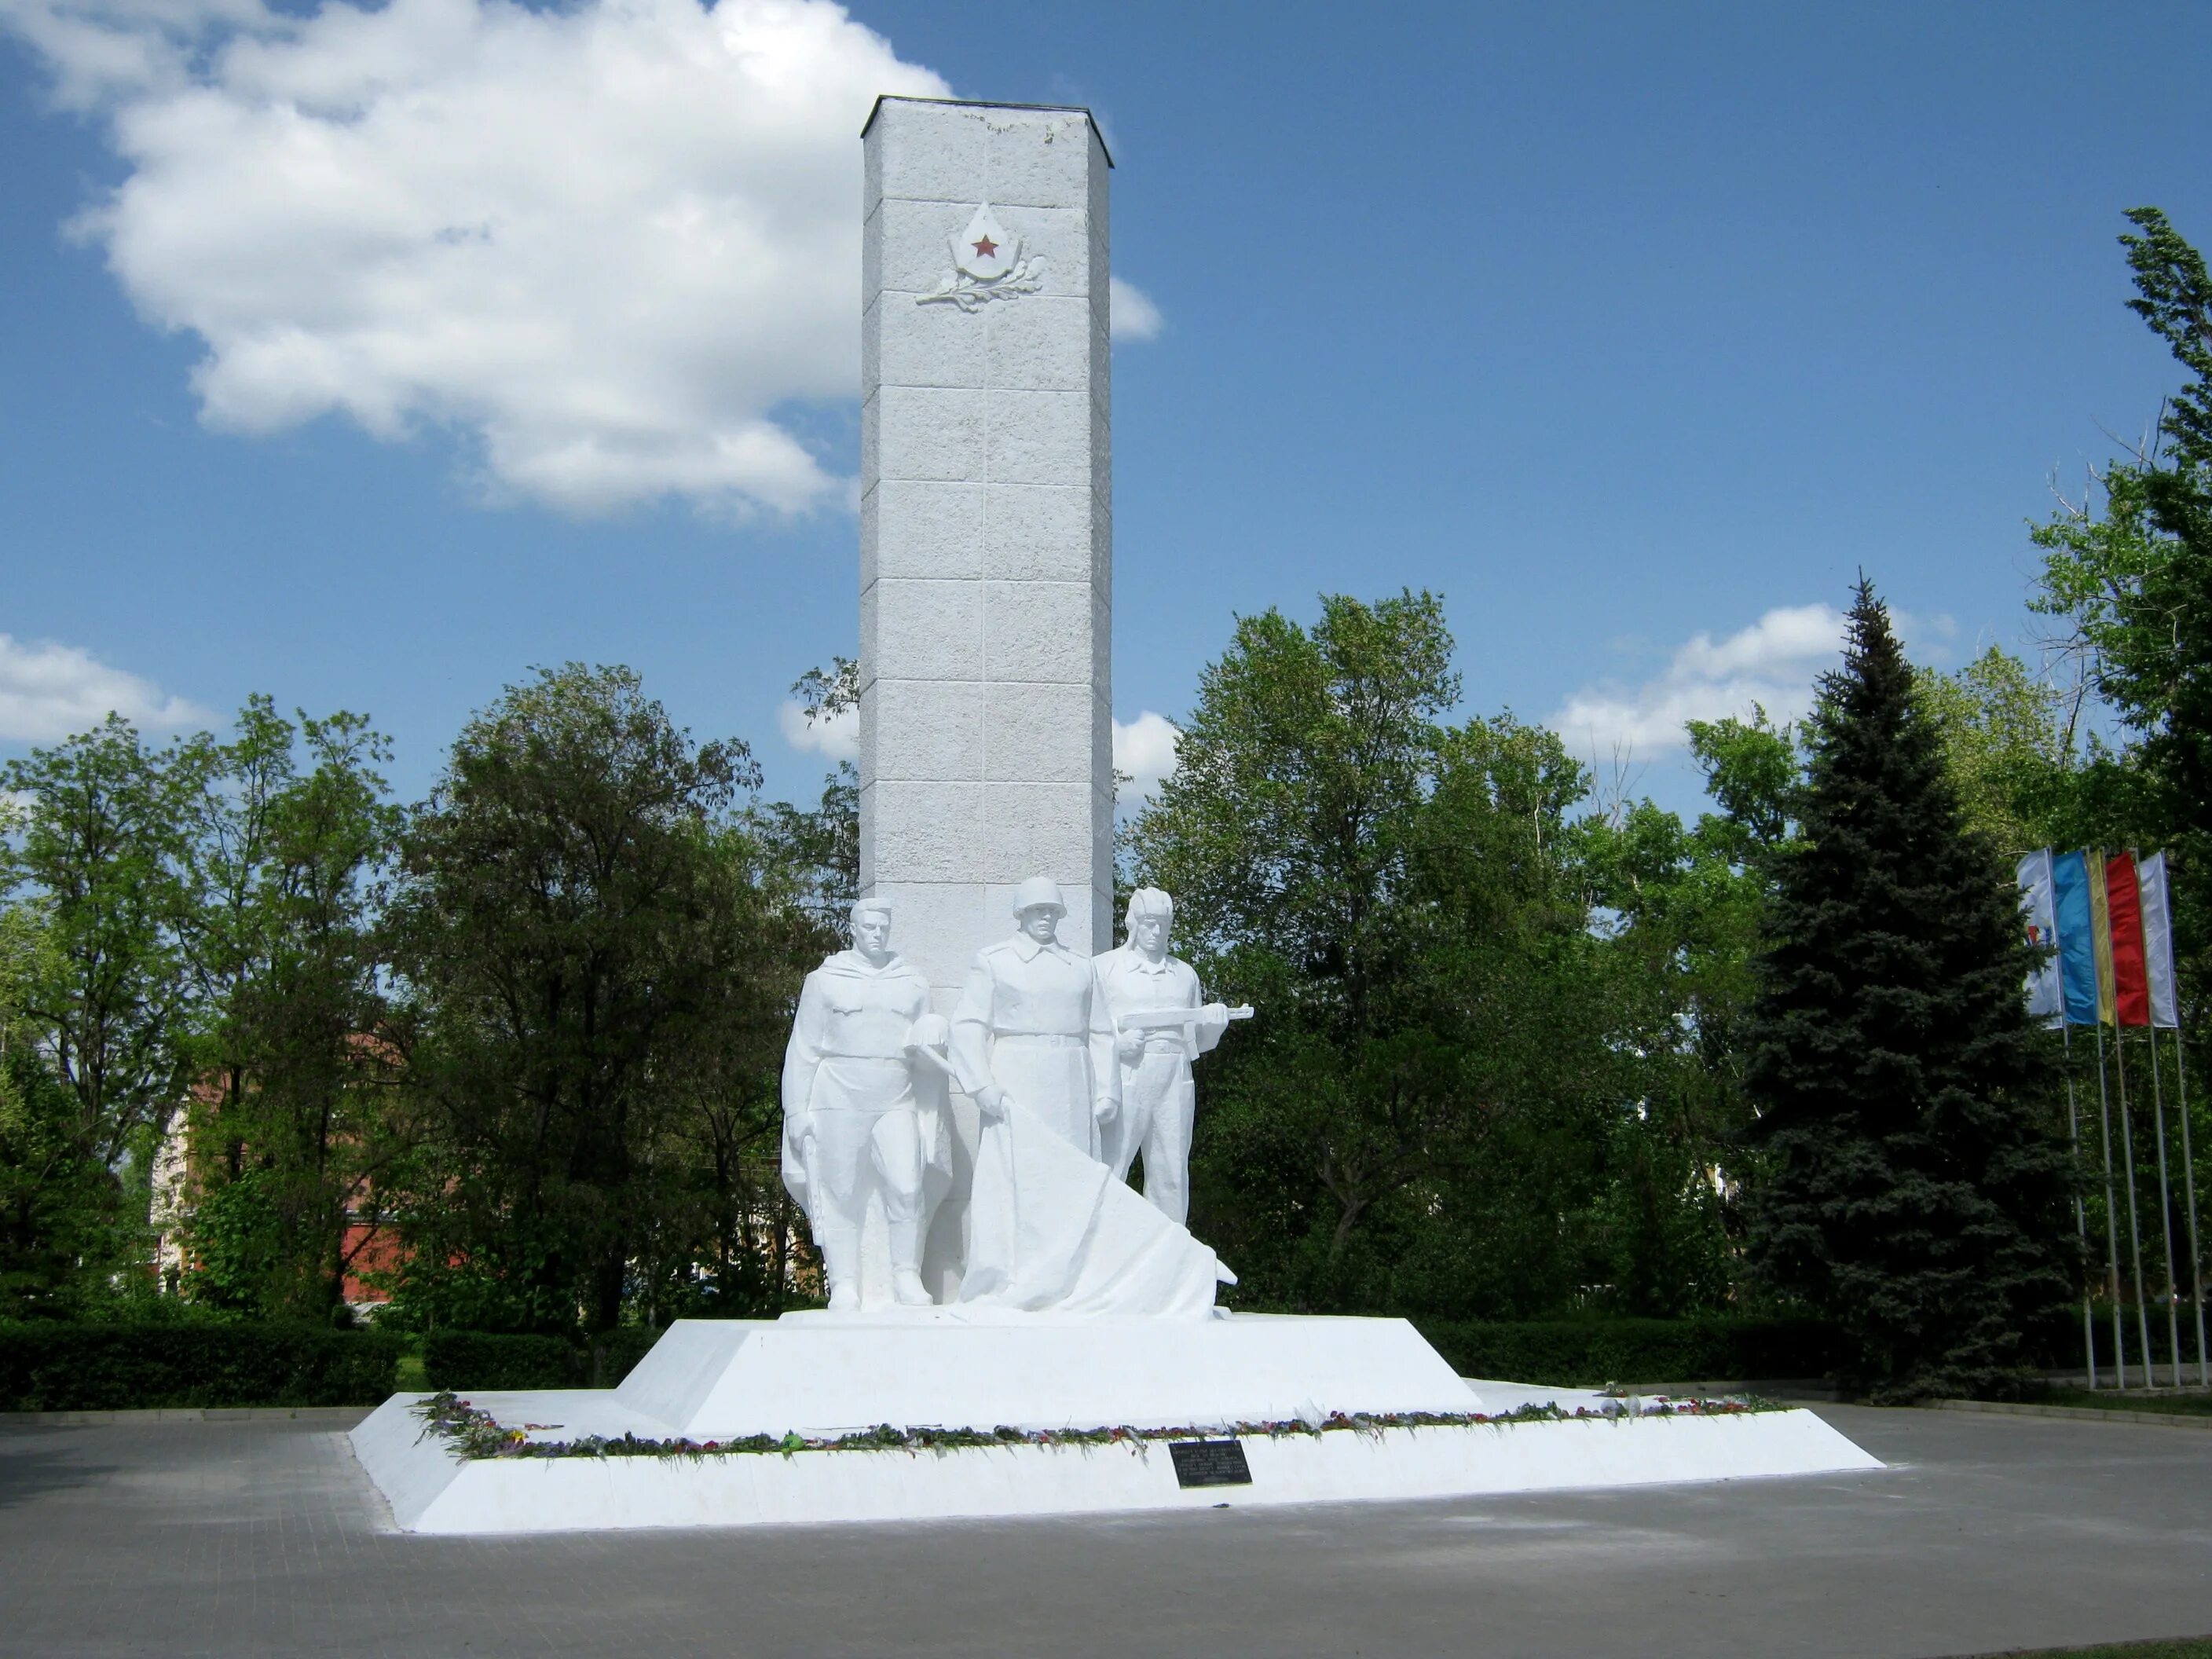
[1635, 330]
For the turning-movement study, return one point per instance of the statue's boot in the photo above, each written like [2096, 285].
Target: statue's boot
[841, 1266]
[906, 1288]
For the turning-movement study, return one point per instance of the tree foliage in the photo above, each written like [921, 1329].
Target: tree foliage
[97, 857]
[1914, 1190]
[1433, 1080]
[595, 974]
[2131, 582]
[287, 1130]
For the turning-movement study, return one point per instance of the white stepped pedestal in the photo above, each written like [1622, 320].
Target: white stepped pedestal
[822, 1376]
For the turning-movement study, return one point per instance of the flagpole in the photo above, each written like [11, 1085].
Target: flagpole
[2134, 1223]
[2188, 1186]
[2081, 1210]
[2111, 1223]
[2166, 1211]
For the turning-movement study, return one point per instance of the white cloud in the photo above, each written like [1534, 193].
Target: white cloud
[836, 738]
[1131, 312]
[49, 691]
[1771, 664]
[606, 243]
[1145, 749]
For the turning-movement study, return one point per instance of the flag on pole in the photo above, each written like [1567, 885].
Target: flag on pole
[2072, 907]
[2158, 941]
[2100, 930]
[2124, 911]
[2045, 993]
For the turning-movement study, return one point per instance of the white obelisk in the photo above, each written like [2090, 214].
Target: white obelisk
[985, 534]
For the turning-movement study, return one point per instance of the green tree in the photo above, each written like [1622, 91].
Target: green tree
[2132, 583]
[817, 849]
[1678, 908]
[98, 853]
[1424, 1090]
[61, 1211]
[2012, 759]
[565, 925]
[1913, 1189]
[280, 865]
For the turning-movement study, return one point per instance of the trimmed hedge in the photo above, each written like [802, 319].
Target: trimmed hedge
[615, 1353]
[482, 1359]
[485, 1361]
[68, 1367]
[1587, 1353]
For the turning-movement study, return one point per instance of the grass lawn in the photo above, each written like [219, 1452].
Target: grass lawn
[2135, 1400]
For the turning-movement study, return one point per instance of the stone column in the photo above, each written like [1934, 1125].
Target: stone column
[986, 537]
[986, 540]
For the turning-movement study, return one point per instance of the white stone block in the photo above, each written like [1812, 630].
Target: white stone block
[1038, 438]
[927, 150]
[912, 528]
[868, 808]
[1101, 462]
[1098, 206]
[1037, 828]
[1061, 238]
[922, 629]
[1101, 860]
[1041, 345]
[871, 262]
[929, 432]
[916, 345]
[1041, 631]
[1101, 376]
[871, 469]
[1043, 532]
[926, 729]
[1040, 158]
[925, 831]
[1039, 733]
[932, 922]
[1102, 548]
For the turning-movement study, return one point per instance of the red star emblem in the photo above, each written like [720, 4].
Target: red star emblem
[985, 248]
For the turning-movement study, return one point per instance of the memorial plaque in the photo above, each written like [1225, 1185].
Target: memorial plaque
[1210, 1463]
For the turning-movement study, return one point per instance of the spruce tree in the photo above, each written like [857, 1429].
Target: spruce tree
[1914, 1189]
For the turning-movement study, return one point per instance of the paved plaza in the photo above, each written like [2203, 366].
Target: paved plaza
[1986, 1533]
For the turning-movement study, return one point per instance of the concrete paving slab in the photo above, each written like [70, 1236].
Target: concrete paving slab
[1987, 1533]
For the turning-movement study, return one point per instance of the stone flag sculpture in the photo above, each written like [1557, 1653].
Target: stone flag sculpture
[1050, 1225]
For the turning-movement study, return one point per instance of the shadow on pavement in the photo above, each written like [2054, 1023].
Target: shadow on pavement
[34, 1462]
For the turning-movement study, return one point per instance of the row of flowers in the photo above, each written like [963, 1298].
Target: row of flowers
[470, 1432]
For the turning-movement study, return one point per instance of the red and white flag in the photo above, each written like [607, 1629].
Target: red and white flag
[2158, 940]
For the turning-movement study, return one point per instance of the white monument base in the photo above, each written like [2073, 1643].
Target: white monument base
[820, 1378]
[830, 1374]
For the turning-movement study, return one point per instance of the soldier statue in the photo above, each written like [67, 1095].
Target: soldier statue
[855, 1126]
[1161, 1027]
[1029, 1028]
